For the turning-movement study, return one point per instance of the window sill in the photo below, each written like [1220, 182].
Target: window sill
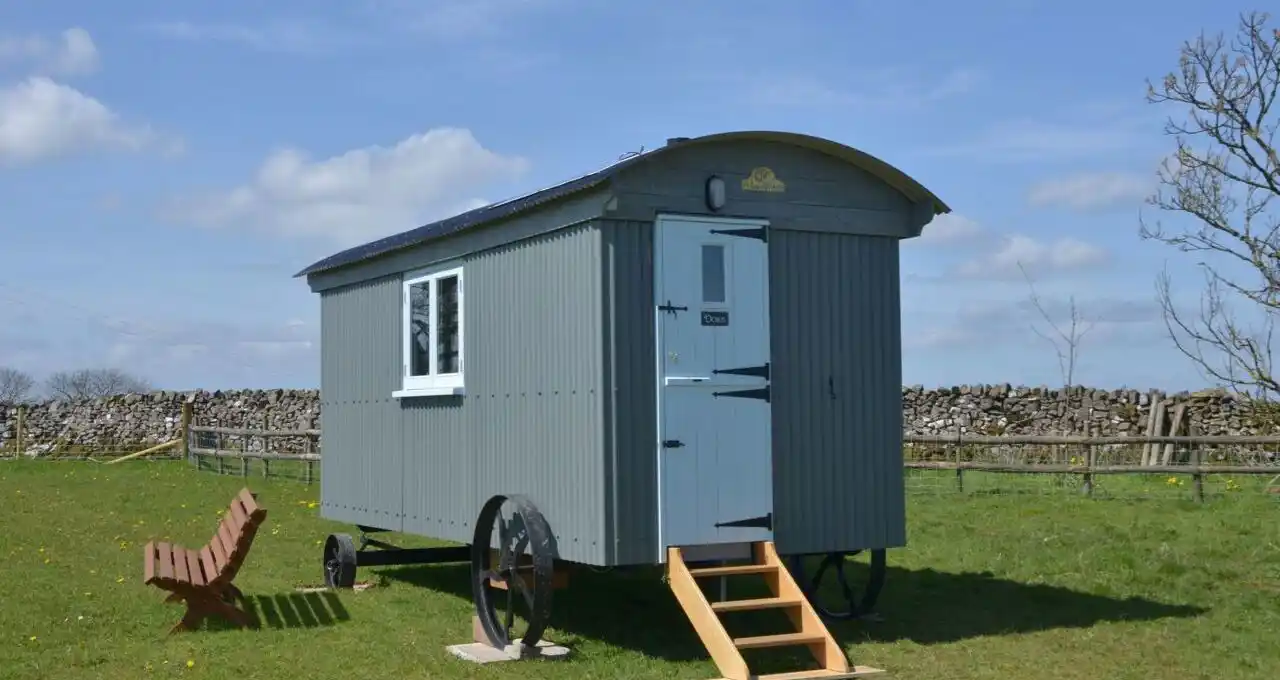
[444, 391]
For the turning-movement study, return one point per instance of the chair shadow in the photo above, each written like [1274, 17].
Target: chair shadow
[633, 609]
[289, 610]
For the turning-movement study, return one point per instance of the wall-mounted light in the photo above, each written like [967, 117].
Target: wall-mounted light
[715, 192]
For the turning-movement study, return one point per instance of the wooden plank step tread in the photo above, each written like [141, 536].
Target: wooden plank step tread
[779, 640]
[823, 674]
[733, 570]
[752, 605]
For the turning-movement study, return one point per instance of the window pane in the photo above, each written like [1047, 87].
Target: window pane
[713, 273]
[420, 328]
[447, 349]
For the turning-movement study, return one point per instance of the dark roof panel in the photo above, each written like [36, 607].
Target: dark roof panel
[495, 211]
[450, 225]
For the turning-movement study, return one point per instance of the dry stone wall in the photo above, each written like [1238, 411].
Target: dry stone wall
[1005, 410]
[156, 417]
[976, 409]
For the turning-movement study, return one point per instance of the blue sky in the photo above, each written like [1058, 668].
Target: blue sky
[166, 167]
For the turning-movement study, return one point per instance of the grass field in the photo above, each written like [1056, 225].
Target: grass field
[991, 586]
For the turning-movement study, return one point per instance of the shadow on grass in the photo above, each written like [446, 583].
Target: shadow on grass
[634, 609]
[289, 610]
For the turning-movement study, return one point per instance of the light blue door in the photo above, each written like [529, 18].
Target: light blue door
[714, 428]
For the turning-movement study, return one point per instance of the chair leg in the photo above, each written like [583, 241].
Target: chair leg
[193, 617]
[200, 607]
[232, 594]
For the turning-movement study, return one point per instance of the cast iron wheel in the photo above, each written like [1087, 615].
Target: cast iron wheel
[519, 527]
[856, 605]
[339, 561]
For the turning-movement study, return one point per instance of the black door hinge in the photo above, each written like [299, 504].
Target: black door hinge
[672, 443]
[758, 233]
[761, 394]
[753, 371]
[762, 522]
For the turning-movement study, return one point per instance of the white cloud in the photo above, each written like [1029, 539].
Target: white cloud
[1080, 130]
[461, 19]
[1090, 192]
[949, 229]
[73, 54]
[1038, 257]
[282, 35]
[359, 195]
[886, 89]
[40, 118]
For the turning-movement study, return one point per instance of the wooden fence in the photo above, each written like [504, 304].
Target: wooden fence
[232, 450]
[1196, 455]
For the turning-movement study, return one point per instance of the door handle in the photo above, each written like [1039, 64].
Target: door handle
[685, 379]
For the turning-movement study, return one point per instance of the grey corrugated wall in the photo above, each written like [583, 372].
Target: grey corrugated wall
[532, 418]
[631, 384]
[359, 368]
[835, 331]
[837, 392]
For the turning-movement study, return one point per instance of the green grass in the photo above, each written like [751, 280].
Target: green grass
[993, 585]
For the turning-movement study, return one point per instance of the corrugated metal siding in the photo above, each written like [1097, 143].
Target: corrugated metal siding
[439, 500]
[534, 375]
[837, 392]
[631, 384]
[531, 421]
[360, 359]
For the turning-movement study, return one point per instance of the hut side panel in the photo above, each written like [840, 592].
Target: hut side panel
[534, 372]
[531, 418]
[439, 498]
[630, 390]
[837, 385]
[360, 359]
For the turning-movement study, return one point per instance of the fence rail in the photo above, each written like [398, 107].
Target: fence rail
[1079, 460]
[212, 447]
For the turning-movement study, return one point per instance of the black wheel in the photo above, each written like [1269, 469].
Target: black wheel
[339, 561]
[856, 603]
[512, 526]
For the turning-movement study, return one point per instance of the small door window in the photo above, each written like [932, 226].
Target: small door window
[713, 273]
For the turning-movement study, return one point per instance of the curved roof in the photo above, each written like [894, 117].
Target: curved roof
[887, 173]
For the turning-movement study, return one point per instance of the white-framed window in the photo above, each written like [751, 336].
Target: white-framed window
[431, 330]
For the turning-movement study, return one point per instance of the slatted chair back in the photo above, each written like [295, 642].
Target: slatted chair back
[230, 544]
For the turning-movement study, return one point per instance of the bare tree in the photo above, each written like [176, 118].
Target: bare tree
[15, 386]
[1065, 338]
[89, 383]
[1221, 187]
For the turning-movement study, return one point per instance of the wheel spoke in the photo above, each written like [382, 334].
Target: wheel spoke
[518, 582]
[511, 609]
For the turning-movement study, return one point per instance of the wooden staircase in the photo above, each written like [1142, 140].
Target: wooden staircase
[725, 650]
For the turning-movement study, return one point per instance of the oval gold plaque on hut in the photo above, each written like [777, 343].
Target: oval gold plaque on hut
[763, 179]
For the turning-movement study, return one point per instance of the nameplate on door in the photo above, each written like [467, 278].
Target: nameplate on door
[715, 318]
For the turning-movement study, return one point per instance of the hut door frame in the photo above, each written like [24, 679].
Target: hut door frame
[715, 443]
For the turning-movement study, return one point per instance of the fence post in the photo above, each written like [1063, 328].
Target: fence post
[1090, 459]
[307, 464]
[959, 459]
[1197, 479]
[184, 428]
[20, 430]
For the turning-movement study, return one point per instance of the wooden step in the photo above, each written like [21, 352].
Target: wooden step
[823, 674]
[779, 640]
[752, 605]
[707, 572]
